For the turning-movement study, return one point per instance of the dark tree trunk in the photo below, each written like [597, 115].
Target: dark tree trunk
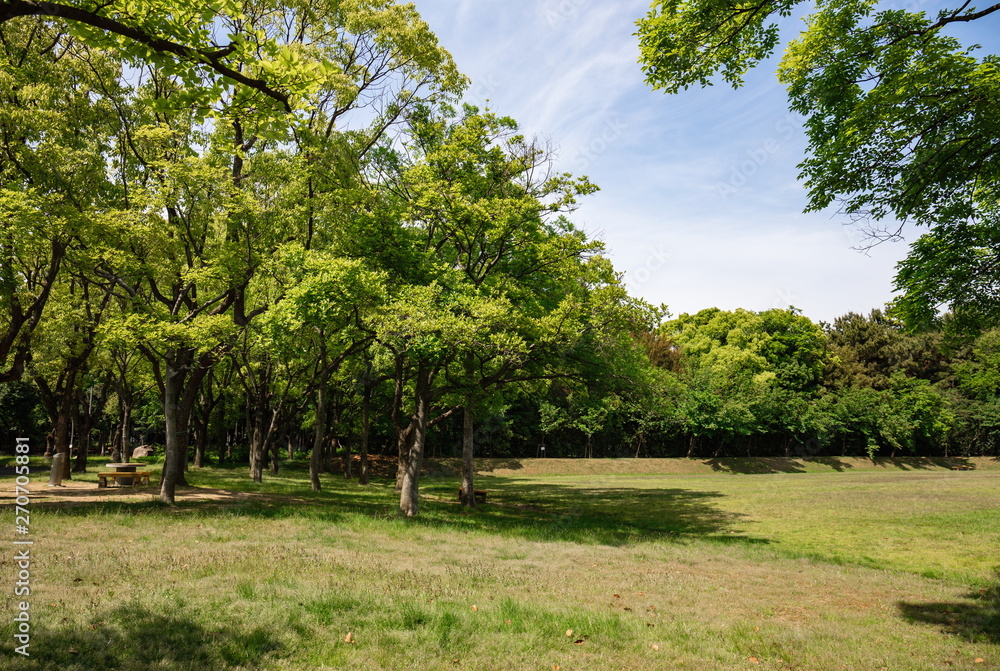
[347, 460]
[365, 434]
[468, 464]
[403, 441]
[316, 456]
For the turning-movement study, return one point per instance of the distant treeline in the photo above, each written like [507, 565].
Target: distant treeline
[773, 383]
[714, 384]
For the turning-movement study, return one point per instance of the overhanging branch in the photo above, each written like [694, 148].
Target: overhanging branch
[212, 59]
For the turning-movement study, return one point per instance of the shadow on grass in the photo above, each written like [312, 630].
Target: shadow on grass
[540, 512]
[926, 463]
[976, 618]
[606, 516]
[453, 467]
[133, 636]
[765, 465]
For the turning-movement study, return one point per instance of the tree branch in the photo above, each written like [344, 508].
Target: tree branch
[210, 58]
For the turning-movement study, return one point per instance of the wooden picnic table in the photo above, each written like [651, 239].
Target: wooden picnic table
[123, 469]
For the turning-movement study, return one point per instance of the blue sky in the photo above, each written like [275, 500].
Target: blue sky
[699, 204]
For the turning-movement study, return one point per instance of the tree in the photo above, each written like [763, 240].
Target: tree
[55, 125]
[211, 207]
[747, 374]
[903, 120]
[321, 321]
[181, 38]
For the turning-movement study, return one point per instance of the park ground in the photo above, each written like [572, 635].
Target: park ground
[572, 564]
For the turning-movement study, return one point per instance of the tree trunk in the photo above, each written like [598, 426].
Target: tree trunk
[274, 458]
[365, 434]
[174, 451]
[329, 449]
[60, 435]
[403, 440]
[468, 442]
[347, 460]
[85, 421]
[201, 444]
[125, 435]
[409, 498]
[320, 433]
[257, 440]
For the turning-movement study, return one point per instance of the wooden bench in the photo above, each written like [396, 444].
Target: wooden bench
[480, 495]
[102, 478]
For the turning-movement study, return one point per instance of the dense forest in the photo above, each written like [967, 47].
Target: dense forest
[371, 266]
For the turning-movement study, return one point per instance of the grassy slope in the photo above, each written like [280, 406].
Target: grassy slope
[807, 571]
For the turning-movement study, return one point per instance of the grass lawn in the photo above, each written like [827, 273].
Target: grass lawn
[853, 569]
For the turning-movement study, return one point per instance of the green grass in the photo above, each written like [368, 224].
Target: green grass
[823, 570]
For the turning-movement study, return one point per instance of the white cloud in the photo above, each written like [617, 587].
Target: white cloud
[567, 70]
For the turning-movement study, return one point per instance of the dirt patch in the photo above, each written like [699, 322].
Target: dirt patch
[81, 492]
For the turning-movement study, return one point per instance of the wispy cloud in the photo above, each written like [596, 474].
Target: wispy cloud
[699, 203]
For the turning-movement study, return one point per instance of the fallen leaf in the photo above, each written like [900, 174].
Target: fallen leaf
[349, 638]
[642, 594]
[754, 660]
[569, 632]
[507, 621]
[555, 667]
[474, 608]
[756, 628]
[979, 660]
[655, 647]
[72, 651]
[617, 596]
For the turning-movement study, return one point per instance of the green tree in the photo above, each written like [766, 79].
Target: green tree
[56, 122]
[747, 374]
[212, 45]
[212, 207]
